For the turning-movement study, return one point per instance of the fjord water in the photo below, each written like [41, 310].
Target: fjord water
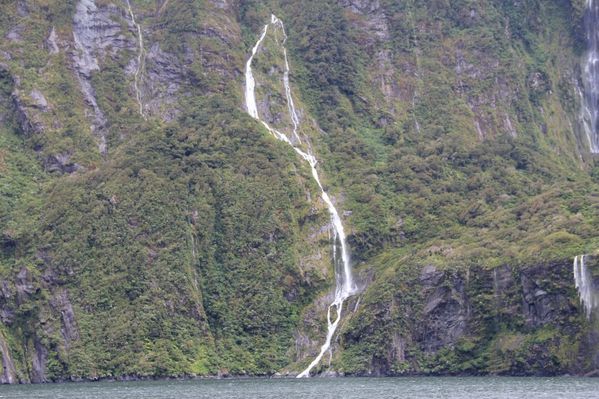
[590, 76]
[345, 286]
[319, 388]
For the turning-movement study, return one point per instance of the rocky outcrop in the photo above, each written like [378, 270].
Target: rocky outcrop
[446, 309]
[39, 359]
[52, 42]
[372, 28]
[164, 76]
[27, 117]
[45, 322]
[9, 373]
[7, 313]
[505, 320]
[23, 285]
[375, 21]
[28, 112]
[485, 107]
[61, 163]
[539, 305]
[96, 34]
[39, 101]
[61, 304]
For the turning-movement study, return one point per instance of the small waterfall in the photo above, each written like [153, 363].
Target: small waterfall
[140, 59]
[590, 77]
[583, 280]
[345, 286]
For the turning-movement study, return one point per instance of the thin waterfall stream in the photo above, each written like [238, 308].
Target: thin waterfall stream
[590, 77]
[583, 280]
[345, 286]
[140, 59]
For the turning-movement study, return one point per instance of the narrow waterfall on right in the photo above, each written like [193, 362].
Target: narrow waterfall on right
[590, 76]
[583, 278]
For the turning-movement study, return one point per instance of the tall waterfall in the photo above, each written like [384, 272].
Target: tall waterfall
[345, 286]
[590, 76]
[584, 283]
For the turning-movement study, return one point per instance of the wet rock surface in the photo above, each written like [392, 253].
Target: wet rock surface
[163, 80]
[499, 311]
[96, 34]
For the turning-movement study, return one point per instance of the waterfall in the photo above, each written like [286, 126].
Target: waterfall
[590, 77]
[140, 59]
[583, 280]
[345, 286]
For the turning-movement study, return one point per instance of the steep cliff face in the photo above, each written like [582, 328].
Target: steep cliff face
[149, 227]
[514, 321]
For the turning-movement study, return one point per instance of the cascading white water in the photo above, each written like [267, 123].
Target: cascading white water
[583, 280]
[290, 105]
[345, 286]
[140, 59]
[590, 76]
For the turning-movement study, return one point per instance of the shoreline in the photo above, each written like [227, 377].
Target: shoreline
[591, 374]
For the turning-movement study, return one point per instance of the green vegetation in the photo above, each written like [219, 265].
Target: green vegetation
[198, 245]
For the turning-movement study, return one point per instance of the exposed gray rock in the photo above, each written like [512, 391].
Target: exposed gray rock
[304, 346]
[24, 285]
[28, 120]
[539, 306]
[14, 34]
[372, 28]
[430, 276]
[375, 21]
[6, 310]
[22, 8]
[52, 42]
[398, 346]
[38, 362]
[163, 79]
[60, 302]
[223, 4]
[96, 34]
[39, 100]
[362, 6]
[386, 75]
[445, 313]
[444, 309]
[9, 374]
[61, 163]
[488, 119]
